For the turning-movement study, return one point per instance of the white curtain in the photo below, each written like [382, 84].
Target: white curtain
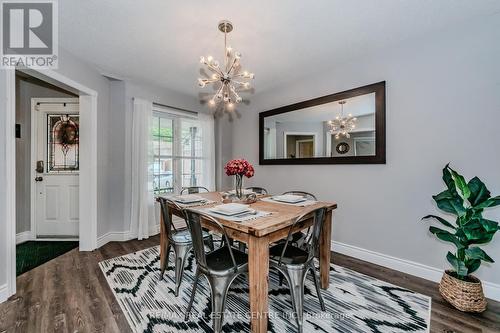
[208, 132]
[142, 208]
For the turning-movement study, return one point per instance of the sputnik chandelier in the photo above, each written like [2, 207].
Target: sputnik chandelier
[341, 126]
[229, 79]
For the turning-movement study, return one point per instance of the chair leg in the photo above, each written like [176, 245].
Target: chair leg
[318, 289]
[165, 264]
[219, 286]
[209, 241]
[181, 252]
[193, 292]
[282, 277]
[296, 284]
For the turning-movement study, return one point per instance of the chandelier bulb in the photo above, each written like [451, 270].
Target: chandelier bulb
[238, 99]
[202, 60]
[209, 59]
[211, 102]
[230, 105]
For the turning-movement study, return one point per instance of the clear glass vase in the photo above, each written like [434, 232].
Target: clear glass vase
[239, 186]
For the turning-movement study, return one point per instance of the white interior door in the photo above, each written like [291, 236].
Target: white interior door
[55, 144]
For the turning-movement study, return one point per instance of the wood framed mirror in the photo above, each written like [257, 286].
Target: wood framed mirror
[342, 128]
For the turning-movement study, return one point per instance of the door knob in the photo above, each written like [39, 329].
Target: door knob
[38, 179]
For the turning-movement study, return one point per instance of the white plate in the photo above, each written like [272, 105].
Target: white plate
[289, 198]
[230, 209]
[189, 198]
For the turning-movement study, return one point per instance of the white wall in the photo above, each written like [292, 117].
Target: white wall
[443, 105]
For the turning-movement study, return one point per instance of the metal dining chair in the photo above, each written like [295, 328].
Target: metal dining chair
[179, 239]
[294, 262]
[194, 189]
[220, 267]
[307, 195]
[258, 190]
[299, 238]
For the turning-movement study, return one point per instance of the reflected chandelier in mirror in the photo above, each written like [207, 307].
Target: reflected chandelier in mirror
[318, 131]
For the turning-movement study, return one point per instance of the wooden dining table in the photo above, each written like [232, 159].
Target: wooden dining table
[258, 234]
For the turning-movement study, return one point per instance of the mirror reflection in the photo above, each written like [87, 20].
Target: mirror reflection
[342, 128]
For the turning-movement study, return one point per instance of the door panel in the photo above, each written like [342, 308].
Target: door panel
[57, 187]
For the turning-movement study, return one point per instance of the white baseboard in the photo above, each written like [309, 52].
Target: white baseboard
[23, 237]
[4, 293]
[491, 290]
[113, 236]
[122, 236]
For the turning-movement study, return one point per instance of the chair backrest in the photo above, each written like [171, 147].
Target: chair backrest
[312, 242]
[258, 190]
[194, 189]
[193, 220]
[306, 195]
[167, 221]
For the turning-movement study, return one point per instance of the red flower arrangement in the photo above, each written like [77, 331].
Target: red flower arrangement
[239, 167]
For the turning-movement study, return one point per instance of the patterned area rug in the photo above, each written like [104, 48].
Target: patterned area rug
[354, 302]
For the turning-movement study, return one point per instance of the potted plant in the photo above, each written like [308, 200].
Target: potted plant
[239, 168]
[466, 201]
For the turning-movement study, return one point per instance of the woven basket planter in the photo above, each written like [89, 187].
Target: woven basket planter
[463, 295]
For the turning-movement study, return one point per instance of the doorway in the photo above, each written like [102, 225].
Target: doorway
[87, 164]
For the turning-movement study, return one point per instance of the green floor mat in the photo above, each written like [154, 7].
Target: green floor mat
[33, 254]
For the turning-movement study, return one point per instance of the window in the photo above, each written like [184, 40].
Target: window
[191, 156]
[176, 157]
[161, 169]
[62, 142]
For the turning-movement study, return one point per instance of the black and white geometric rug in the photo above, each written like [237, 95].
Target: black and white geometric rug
[354, 302]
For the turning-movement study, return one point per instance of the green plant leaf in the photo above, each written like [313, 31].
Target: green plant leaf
[491, 202]
[489, 226]
[440, 219]
[475, 232]
[453, 206]
[460, 184]
[446, 236]
[478, 191]
[448, 179]
[458, 265]
[473, 265]
[446, 194]
[477, 253]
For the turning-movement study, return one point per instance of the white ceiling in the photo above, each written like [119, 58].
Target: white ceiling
[160, 42]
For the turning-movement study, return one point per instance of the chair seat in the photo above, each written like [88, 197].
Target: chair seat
[220, 259]
[183, 236]
[293, 255]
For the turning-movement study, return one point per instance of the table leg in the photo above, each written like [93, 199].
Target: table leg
[163, 245]
[325, 245]
[258, 266]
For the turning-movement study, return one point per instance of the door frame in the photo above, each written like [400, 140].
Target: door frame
[285, 146]
[298, 142]
[88, 164]
[34, 135]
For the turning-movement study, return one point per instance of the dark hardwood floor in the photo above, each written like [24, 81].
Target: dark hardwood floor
[70, 294]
